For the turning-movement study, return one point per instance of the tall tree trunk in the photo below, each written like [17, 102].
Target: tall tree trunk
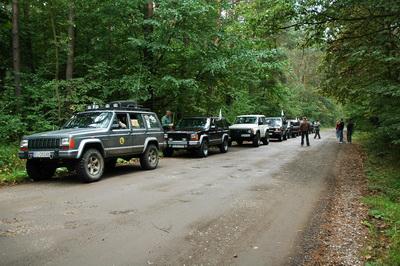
[57, 62]
[71, 43]
[147, 53]
[16, 48]
[28, 42]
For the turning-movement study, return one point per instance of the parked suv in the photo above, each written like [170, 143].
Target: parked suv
[91, 142]
[197, 134]
[277, 128]
[252, 128]
[293, 126]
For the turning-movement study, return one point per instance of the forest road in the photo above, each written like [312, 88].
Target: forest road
[249, 206]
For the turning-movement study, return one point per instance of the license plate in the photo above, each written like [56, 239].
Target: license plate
[41, 154]
[245, 135]
[178, 146]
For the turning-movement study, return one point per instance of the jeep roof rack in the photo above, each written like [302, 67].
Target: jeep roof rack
[119, 105]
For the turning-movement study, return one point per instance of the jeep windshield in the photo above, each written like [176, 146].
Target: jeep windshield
[246, 120]
[274, 122]
[89, 120]
[192, 123]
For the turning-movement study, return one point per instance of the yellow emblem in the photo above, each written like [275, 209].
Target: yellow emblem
[121, 140]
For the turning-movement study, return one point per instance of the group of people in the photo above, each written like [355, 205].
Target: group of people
[305, 128]
[340, 130]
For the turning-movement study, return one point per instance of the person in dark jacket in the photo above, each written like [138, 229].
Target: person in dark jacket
[341, 128]
[304, 128]
[350, 128]
[317, 126]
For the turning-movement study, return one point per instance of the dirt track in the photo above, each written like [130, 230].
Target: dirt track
[247, 207]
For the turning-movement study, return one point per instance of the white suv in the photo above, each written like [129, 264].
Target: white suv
[252, 128]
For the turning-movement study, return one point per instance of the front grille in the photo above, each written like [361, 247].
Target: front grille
[178, 136]
[238, 132]
[43, 143]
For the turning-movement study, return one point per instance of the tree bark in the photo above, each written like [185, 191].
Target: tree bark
[16, 48]
[57, 62]
[71, 43]
[28, 42]
[147, 53]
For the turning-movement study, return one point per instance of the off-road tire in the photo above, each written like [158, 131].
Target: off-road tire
[280, 138]
[203, 150]
[90, 167]
[265, 141]
[224, 146]
[149, 159]
[256, 140]
[168, 152]
[38, 170]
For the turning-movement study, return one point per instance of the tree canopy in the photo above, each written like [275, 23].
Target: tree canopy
[194, 57]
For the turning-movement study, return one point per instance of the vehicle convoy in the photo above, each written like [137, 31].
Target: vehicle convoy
[252, 128]
[91, 142]
[293, 127]
[277, 128]
[197, 134]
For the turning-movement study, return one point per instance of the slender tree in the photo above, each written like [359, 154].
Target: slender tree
[71, 42]
[16, 48]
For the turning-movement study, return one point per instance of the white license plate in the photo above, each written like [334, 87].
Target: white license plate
[245, 135]
[41, 154]
[178, 146]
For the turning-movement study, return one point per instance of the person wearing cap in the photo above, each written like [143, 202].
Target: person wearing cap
[166, 121]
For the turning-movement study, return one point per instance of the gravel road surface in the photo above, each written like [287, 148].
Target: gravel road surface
[249, 206]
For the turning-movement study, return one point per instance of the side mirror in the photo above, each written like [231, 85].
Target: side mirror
[260, 123]
[115, 126]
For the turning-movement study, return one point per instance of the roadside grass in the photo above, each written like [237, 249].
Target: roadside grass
[12, 169]
[383, 201]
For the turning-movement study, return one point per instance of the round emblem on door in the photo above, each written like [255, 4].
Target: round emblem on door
[121, 140]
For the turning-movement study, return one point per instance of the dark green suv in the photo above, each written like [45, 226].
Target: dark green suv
[91, 142]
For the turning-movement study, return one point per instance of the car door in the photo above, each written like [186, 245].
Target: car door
[138, 132]
[263, 126]
[120, 138]
[213, 133]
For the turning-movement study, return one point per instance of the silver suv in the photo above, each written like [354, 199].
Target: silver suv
[91, 141]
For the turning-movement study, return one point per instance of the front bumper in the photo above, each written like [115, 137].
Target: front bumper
[275, 134]
[48, 154]
[240, 135]
[181, 144]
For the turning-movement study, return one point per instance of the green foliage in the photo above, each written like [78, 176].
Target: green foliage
[361, 62]
[11, 167]
[383, 175]
[192, 57]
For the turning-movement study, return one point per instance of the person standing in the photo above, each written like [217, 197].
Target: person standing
[337, 129]
[350, 128]
[166, 121]
[341, 128]
[317, 126]
[304, 128]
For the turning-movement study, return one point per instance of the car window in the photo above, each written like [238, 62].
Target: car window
[136, 121]
[122, 120]
[220, 123]
[151, 121]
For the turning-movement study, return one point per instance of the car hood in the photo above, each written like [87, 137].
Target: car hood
[70, 132]
[243, 126]
[185, 131]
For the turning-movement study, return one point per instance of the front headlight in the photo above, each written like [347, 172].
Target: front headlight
[194, 137]
[249, 131]
[23, 146]
[65, 142]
